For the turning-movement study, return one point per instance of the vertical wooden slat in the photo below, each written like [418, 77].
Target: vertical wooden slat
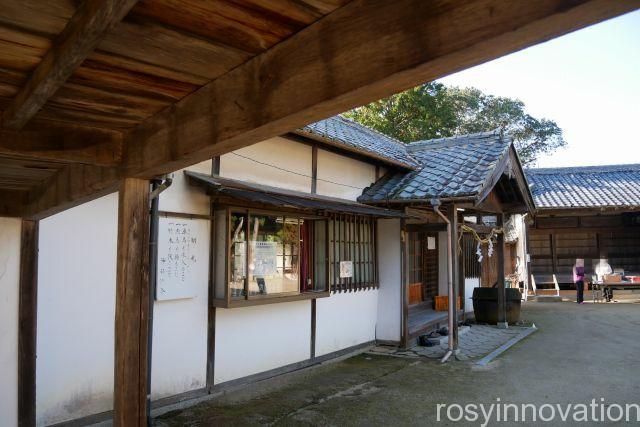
[527, 254]
[215, 165]
[132, 305]
[366, 257]
[345, 251]
[327, 255]
[404, 283]
[554, 257]
[211, 309]
[462, 274]
[27, 323]
[374, 240]
[312, 349]
[351, 251]
[334, 282]
[455, 272]
[314, 169]
[339, 253]
[360, 252]
[247, 248]
[502, 298]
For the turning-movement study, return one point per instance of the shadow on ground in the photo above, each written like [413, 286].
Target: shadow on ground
[580, 352]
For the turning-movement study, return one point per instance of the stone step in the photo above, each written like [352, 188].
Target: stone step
[548, 298]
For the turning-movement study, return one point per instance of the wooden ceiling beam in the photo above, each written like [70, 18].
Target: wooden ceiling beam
[361, 52]
[92, 20]
[72, 185]
[67, 144]
[13, 203]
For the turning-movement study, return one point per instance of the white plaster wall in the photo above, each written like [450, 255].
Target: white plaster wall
[345, 319]
[185, 198]
[251, 340]
[279, 152]
[389, 312]
[9, 296]
[76, 309]
[179, 352]
[469, 284]
[354, 174]
[443, 288]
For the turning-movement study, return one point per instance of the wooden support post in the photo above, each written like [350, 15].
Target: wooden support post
[27, 324]
[455, 270]
[461, 271]
[132, 305]
[554, 255]
[502, 293]
[404, 281]
[312, 347]
[527, 256]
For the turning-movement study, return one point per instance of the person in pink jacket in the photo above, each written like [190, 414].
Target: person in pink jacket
[578, 279]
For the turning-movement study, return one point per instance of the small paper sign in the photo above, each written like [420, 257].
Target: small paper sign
[346, 269]
[431, 243]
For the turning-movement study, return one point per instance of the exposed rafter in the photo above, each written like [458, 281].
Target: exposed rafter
[337, 63]
[92, 20]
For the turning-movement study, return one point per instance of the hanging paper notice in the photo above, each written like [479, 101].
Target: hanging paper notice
[183, 251]
[265, 258]
[346, 269]
[431, 243]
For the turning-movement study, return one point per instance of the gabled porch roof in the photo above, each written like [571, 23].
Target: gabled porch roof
[460, 168]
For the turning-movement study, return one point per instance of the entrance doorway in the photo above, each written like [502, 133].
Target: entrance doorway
[423, 268]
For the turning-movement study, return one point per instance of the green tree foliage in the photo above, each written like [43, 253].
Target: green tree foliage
[434, 110]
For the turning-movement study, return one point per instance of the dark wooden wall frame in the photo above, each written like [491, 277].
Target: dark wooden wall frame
[27, 323]
[211, 309]
[314, 302]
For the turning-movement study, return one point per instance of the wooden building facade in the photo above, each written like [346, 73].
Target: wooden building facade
[103, 96]
[590, 213]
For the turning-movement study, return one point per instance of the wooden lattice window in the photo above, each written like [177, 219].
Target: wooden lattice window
[352, 246]
[471, 264]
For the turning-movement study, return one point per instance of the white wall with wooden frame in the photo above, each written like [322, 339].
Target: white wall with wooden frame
[248, 339]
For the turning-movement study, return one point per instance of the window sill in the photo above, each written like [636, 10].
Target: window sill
[267, 300]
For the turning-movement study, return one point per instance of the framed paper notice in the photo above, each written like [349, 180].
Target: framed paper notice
[264, 259]
[346, 269]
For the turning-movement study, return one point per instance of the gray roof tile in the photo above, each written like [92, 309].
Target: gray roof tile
[352, 135]
[448, 167]
[585, 187]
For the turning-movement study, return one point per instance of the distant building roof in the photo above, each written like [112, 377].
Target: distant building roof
[448, 168]
[353, 136]
[585, 187]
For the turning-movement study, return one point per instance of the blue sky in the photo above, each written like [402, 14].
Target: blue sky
[587, 81]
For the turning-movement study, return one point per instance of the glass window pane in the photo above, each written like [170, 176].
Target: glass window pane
[273, 260]
[237, 255]
[320, 255]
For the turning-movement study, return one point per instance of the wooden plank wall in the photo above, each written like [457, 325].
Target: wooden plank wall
[557, 241]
